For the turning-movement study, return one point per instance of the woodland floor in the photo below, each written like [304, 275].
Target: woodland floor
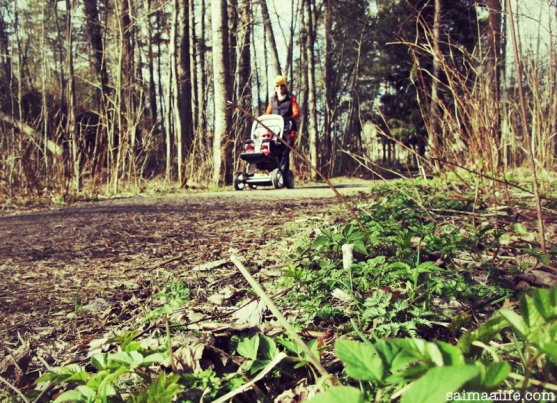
[72, 274]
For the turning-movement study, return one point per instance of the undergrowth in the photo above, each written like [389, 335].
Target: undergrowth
[424, 308]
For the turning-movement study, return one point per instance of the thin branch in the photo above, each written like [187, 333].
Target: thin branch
[282, 320]
[16, 390]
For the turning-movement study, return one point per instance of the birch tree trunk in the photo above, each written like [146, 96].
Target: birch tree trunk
[193, 69]
[303, 72]
[312, 98]
[221, 141]
[328, 85]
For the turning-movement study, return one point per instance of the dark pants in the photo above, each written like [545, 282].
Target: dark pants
[284, 160]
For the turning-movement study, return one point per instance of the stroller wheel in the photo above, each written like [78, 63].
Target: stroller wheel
[277, 179]
[239, 181]
[289, 180]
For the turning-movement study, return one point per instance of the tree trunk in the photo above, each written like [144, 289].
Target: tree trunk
[434, 116]
[493, 78]
[221, 141]
[232, 22]
[257, 80]
[193, 68]
[95, 38]
[184, 80]
[175, 89]
[150, 65]
[70, 128]
[303, 72]
[312, 97]
[244, 64]
[202, 75]
[289, 68]
[243, 93]
[328, 84]
[270, 37]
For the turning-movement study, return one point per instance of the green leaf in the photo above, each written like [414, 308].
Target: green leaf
[532, 316]
[339, 394]
[516, 322]
[71, 396]
[248, 347]
[401, 266]
[72, 372]
[485, 333]
[361, 360]
[422, 349]
[88, 393]
[388, 351]
[438, 382]
[428, 267]
[103, 380]
[496, 373]
[153, 358]
[131, 360]
[267, 348]
[360, 247]
[452, 356]
[321, 240]
[546, 302]
[314, 349]
[100, 361]
[164, 389]
[291, 346]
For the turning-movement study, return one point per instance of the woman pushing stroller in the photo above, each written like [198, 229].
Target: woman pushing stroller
[284, 103]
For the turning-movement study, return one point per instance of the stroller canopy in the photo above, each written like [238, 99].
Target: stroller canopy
[273, 122]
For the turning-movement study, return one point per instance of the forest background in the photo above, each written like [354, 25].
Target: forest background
[103, 95]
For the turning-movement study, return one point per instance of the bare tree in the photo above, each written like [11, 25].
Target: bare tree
[270, 37]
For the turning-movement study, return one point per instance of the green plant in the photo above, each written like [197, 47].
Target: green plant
[104, 381]
[172, 297]
[425, 371]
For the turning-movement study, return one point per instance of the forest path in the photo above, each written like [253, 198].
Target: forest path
[70, 274]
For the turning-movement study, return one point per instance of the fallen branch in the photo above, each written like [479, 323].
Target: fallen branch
[30, 132]
[282, 320]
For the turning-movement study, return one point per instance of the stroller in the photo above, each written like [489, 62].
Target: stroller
[262, 152]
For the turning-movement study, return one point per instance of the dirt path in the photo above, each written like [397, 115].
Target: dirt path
[69, 274]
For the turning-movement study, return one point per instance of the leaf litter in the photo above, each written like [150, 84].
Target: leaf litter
[75, 277]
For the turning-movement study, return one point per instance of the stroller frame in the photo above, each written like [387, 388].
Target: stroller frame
[263, 151]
